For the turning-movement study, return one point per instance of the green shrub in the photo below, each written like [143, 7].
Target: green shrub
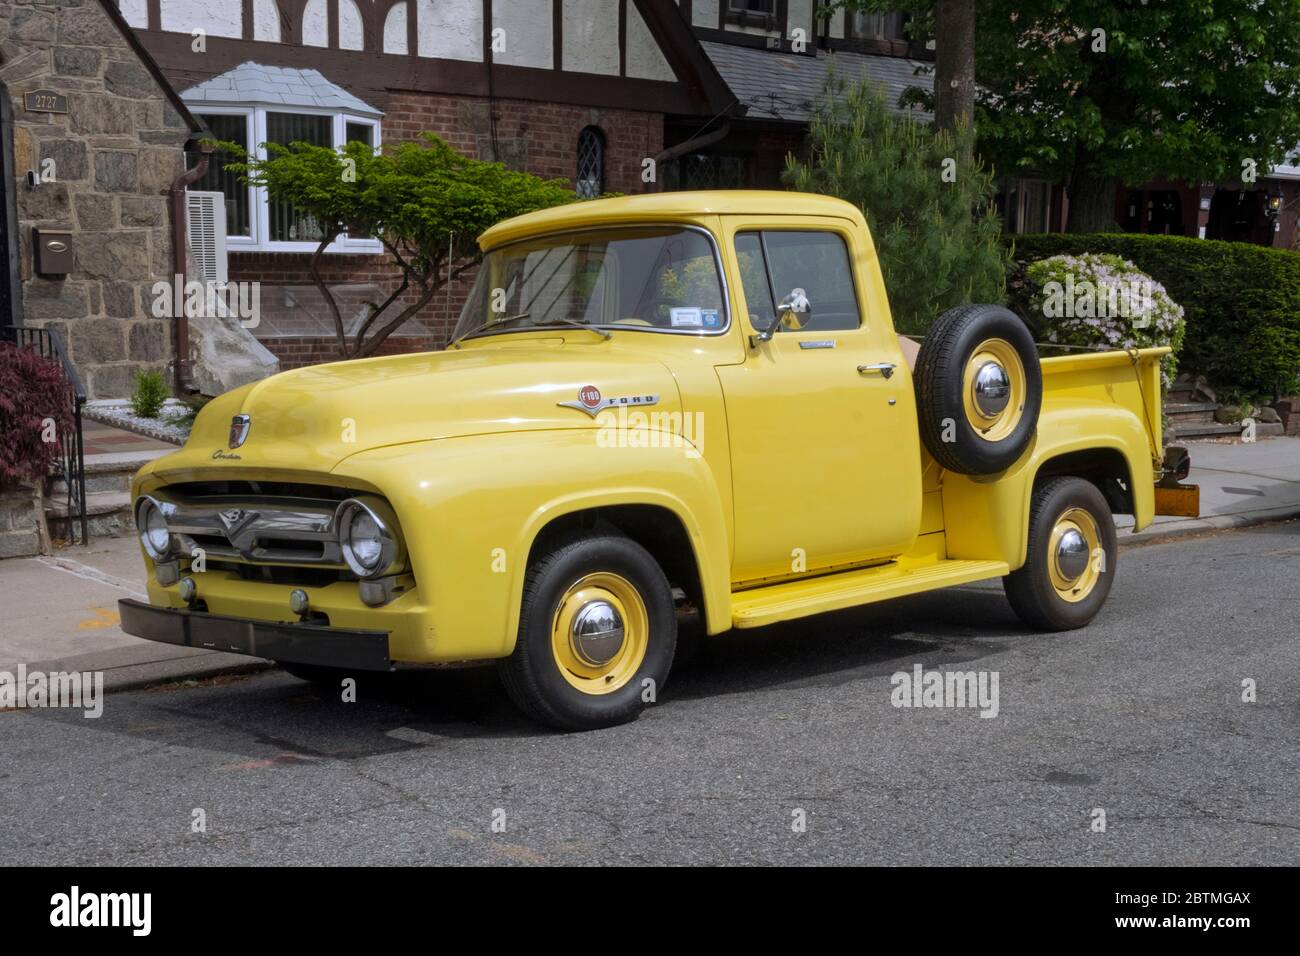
[938, 238]
[1103, 301]
[1241, 301]
[150, 393]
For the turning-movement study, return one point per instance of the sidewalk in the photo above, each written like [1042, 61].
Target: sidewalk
[1240, 484]
[61, 610]
[60, 614]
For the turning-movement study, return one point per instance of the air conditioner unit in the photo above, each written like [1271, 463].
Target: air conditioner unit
[206, 214]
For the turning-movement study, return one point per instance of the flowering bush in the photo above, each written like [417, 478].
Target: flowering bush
[35, 412]
[1103, 301]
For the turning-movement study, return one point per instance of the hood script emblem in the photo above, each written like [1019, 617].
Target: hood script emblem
[239, 426]
[593, 403]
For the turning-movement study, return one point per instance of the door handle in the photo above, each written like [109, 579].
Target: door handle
[884, 368]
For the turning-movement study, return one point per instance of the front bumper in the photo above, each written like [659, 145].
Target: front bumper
[294, 643]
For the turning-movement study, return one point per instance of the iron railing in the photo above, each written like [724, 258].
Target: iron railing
[70, 464]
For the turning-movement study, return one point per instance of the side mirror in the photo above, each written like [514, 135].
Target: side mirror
[794, 312]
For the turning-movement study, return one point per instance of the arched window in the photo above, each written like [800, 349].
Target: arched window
[591, 163]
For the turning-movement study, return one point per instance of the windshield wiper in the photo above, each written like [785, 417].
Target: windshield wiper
[603, 333]
[553, 323]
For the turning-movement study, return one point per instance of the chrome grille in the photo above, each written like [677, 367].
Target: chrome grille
[256, 530]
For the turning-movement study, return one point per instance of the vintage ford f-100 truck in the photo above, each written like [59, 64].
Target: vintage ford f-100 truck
[675, 408]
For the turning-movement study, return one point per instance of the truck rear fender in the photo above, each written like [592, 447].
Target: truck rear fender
[988, 518]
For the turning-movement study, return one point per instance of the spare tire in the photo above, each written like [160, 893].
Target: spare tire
[979, 389]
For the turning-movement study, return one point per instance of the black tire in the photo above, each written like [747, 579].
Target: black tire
[1030, 589]
[949, 434]
[532, 675]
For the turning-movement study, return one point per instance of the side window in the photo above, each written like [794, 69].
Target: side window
[818, 264]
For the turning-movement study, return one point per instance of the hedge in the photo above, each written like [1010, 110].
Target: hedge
[1242, 301]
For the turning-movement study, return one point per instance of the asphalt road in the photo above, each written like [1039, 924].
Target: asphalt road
[1139, 715]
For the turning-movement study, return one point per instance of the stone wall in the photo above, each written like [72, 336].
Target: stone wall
[115, 153]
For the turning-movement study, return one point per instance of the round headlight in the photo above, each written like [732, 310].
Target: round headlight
[367, 544]
[155, 537]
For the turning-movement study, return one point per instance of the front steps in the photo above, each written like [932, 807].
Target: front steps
[108, 495]
[1189, 416]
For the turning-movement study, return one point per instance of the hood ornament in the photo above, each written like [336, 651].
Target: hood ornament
[239, 426]
[593, 403]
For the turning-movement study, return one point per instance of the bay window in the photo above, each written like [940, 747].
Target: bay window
[255, 223]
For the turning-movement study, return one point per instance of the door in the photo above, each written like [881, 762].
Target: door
[821, 417]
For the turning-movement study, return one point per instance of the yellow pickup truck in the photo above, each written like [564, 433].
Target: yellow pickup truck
[675, 411]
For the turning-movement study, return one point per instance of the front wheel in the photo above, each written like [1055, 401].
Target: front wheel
[597, 634]
[1070, 561]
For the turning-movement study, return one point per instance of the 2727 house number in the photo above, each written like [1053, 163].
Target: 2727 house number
[45, 101]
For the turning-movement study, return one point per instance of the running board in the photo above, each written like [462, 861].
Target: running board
[833, 592]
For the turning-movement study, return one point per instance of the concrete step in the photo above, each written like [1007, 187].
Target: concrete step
[108, 513]
[109, 471]
[1186, 412]
[1192, 430]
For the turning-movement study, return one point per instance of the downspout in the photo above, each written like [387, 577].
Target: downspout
[180, 257]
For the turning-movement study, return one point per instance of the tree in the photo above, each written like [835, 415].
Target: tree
[1096, 93]
[937, 236]
[423, 200]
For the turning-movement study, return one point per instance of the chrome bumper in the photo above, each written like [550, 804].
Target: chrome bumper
[295, 643]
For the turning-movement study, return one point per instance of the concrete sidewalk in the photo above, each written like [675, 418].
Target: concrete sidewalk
[60, 611]
[60, 614]
[1241, 484]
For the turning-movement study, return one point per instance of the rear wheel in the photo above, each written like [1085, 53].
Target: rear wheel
[597, 634]
[1070, 561]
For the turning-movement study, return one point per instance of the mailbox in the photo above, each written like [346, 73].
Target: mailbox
[53, 251]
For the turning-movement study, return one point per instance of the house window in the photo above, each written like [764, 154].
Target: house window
[591, 163]
[253, 222]
[760, 7]
[874, 26]
[228, 129]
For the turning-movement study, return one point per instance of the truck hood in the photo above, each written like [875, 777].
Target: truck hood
[313, 418]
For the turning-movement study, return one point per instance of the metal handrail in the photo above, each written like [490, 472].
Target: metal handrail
[72, 461]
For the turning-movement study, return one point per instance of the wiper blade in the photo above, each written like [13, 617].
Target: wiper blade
[553, 323]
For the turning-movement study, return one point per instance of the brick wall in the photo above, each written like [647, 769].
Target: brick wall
[540, 138]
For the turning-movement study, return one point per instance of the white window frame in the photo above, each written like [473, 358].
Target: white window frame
[259, 218]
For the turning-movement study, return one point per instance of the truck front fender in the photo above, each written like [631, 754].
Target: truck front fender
[471, 508]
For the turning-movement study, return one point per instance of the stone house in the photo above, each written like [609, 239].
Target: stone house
[93, 139]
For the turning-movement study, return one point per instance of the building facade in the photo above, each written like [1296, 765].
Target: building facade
[582, 90]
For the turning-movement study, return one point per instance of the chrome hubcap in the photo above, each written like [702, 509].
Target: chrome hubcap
[597, 633]
[1072, 555]
[992, 389]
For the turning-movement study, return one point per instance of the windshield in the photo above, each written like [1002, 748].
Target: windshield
[654, 277]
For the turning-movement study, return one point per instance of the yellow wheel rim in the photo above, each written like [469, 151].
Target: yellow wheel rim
[600, 633]
[1075, 557]
[991, 416]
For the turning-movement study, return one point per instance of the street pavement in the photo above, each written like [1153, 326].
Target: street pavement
[1140, 716]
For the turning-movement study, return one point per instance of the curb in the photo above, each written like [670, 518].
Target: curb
[1229, 522]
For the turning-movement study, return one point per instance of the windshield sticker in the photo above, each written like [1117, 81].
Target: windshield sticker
[687, 318]
[710, 317]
